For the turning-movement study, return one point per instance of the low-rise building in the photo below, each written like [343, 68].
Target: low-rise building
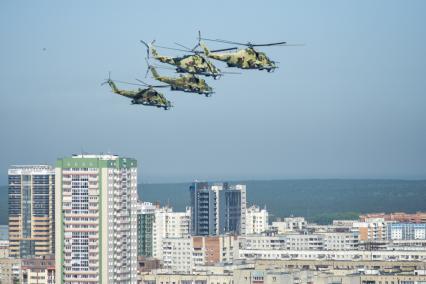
[184, 255]
[4, 248]
[177, 255]
[10, 270]
[352, 255]
[40, 270]
[340, 240]
[419, 217]
[373, 229]
[148, 264]
[406, 231]
[169, 224]
[289, 224]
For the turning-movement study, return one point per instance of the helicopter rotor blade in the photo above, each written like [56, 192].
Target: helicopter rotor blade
[237, 73]
[128, 83]
[281, 43]
[181, 45]
[164, 67]
[142, 82]
[171, 48]
[270, 44]
[224, 49]
[147, 69]
[154, 86]
[147, 48]
[225, 41]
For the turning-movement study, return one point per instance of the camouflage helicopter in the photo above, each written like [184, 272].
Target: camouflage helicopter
[247, 58]
[195, 64]
[148, 96]
[187, 83]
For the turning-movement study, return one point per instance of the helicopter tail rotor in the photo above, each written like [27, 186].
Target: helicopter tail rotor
[107, 80]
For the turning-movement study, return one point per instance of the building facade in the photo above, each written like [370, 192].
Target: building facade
[169, 224]
[406, 231]
[96, 213]
[257, 220]
[145, 221]
[203, 209]
[218, 209]
[39, 270]
[31, 210]
[373, 229]
[231, 209]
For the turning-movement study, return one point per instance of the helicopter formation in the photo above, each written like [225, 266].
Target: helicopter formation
[196, 62]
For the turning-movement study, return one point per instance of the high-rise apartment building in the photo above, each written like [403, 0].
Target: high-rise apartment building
[218, 209]
[231, 212]
[96, 238]
[31, 210]
[146, 216]
[169, 224]
[203, 209]
[256, 220]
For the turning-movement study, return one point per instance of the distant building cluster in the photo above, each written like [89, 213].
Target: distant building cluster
[81, 221]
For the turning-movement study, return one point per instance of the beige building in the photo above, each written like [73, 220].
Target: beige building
[39, 270]
[186, 278]
[4, 249]
[96, 201]
[31, 210]
[10, 269]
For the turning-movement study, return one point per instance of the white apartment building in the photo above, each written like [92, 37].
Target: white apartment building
[169, 224]
[353, 255]
[177, 254]
[96, 241]
[304, 242]
[340, 240]
[256, 220]
[289, 224]
[183, 255]
[292, 241]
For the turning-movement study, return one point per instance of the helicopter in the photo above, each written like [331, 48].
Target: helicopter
[246, 58]
[187, 83]
[148, 96]
[196, 63]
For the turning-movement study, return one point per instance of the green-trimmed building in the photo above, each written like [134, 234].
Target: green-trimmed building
[95, 202]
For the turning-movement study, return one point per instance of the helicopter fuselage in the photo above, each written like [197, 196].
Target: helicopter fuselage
[186, 83]
[247, 58]
[148, 96]
[193, 64]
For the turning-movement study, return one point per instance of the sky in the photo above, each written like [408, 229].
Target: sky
[350, 103]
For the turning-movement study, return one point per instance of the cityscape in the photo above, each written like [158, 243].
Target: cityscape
[225, 142]
[82, 221]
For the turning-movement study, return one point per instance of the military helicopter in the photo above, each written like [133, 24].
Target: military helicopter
[196, 63]
[148, 96]
[247, 58]
[187, 83]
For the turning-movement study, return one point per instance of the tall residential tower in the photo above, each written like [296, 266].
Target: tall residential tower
[218, 209]
[31, 210]
[96, 238]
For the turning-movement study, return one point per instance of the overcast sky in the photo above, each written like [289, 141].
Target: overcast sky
[351, 103]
